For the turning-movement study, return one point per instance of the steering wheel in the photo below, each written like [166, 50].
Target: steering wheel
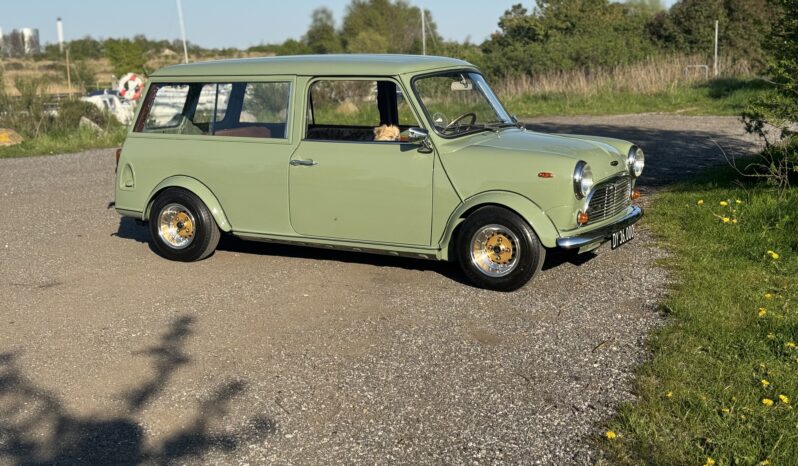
[456, 121]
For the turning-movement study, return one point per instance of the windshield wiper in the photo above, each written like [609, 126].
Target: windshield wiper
[497, 125]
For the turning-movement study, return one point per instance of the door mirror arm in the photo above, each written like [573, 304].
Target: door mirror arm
[420, 136]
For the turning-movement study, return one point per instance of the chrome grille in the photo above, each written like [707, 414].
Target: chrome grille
[609, 199]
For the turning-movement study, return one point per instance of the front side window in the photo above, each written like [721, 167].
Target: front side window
[358, 110]
[458, 103]
[255, 110]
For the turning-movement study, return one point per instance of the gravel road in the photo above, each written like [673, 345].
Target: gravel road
[110, 354]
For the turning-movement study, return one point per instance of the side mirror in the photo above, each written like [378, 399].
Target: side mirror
[420, 136]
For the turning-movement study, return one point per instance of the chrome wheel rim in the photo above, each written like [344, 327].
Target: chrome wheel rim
[176, 226]
[495, 250]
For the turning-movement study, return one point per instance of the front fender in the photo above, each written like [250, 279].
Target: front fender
[196, 187]
[528, 210]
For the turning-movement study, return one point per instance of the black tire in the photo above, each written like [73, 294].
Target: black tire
[514, 265]
[187, 244]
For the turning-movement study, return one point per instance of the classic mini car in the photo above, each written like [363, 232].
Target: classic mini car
[402, 155]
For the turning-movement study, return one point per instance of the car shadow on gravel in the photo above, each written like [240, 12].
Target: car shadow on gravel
[37, 429]
[129, 229]
[671, 155]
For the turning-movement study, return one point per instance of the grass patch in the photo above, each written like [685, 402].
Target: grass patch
[66, 141]
[720, 358]
[727, 96]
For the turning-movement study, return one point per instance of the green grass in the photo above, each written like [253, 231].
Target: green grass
[715, 350]
[716, 97]
[63, 142]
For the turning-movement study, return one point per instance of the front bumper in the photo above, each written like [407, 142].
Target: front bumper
[600, 235]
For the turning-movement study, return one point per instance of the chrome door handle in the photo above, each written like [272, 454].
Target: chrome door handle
[304, 163]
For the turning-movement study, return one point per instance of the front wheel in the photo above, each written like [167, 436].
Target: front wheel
[498, 250]
[182, 227]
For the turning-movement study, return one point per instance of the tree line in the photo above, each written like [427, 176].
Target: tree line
[555, 35]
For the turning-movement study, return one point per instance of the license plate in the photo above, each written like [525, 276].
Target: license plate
[622, 237]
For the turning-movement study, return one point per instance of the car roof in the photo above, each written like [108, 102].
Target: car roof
[310, 65]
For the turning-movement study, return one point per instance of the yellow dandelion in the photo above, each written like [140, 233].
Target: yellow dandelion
[790, 345]
[726, 219]
[784, 399]
[709, 462]
[762, 312]
[773, 255]
[764, 463]
[764, 383]
[734, 220]
[669, 395]
[700, 202]
[725, 410]
[768, 296]
[611, 435]
[767, 402]
[724, 203]
[738, 202]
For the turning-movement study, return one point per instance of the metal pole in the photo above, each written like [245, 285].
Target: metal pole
[182, 30]
[423, 32]
[715, 63]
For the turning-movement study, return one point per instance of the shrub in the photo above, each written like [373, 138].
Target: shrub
[71, 111]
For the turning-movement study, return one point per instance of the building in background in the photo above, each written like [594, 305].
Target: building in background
[20, 43]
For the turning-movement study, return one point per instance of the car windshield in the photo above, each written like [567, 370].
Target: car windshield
[460, 102]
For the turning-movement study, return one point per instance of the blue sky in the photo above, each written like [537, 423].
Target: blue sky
[227, 23]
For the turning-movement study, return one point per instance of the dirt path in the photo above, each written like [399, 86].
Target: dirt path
[110, 354]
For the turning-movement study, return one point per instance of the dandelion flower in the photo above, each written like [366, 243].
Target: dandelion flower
[734, 220]
[790, 345]
[773, 255]
[764, 383]
[738, 202]
[669, 395]
[726, 219]
[784, 399]
[768, 296]
[611, 435]
[700, 202]
[724, 203]
[725, 410]
[764, 463]
[762, 312]
[709, 462]
[767, 402]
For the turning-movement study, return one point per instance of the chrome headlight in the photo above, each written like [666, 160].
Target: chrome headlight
[583, 179]
[635, 161]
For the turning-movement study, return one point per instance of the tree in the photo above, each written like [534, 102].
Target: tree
[322, 36]
[398, 24]
[777, 111]
[125, 56]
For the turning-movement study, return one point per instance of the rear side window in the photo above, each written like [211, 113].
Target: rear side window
[254, 110]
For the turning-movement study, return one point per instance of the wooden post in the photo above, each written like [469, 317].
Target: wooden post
[715, 63]
[69, 74]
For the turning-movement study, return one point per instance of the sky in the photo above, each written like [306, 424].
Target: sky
[227, 23]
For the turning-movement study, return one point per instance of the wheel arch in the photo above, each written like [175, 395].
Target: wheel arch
[523, 207]
[197, 188]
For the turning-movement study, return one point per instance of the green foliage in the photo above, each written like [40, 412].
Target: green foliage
[565, 35]
[322, 36]
[689, 27]
[126, 56]
[26, 113]
[71, 111]
[82, 74]
[701, 395]
[777, 111]
[66, 141]
[397, 22]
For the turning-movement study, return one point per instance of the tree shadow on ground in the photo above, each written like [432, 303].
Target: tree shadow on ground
[36, 428]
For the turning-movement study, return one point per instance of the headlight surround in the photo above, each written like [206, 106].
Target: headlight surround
[583, 179]
[635, 161]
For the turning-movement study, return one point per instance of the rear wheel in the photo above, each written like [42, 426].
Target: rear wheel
[182, 227]
[498, 250]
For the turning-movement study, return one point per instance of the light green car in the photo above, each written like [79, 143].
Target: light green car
[402, 155]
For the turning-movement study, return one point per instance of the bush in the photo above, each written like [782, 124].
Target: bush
[71, 111]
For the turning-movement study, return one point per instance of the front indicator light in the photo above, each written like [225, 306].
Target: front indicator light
[635, 195]
[582, 218]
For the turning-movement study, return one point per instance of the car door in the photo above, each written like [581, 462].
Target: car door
[345, 185]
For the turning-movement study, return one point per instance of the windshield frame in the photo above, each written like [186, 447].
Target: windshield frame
[492, 99]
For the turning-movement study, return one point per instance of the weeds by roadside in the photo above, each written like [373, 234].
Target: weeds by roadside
[721, 386]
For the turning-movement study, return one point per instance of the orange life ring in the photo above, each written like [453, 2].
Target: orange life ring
[131, 86]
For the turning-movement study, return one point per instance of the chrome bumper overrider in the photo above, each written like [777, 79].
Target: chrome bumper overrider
[601, 234]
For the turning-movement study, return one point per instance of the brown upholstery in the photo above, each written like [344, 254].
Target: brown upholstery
[245, 132]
